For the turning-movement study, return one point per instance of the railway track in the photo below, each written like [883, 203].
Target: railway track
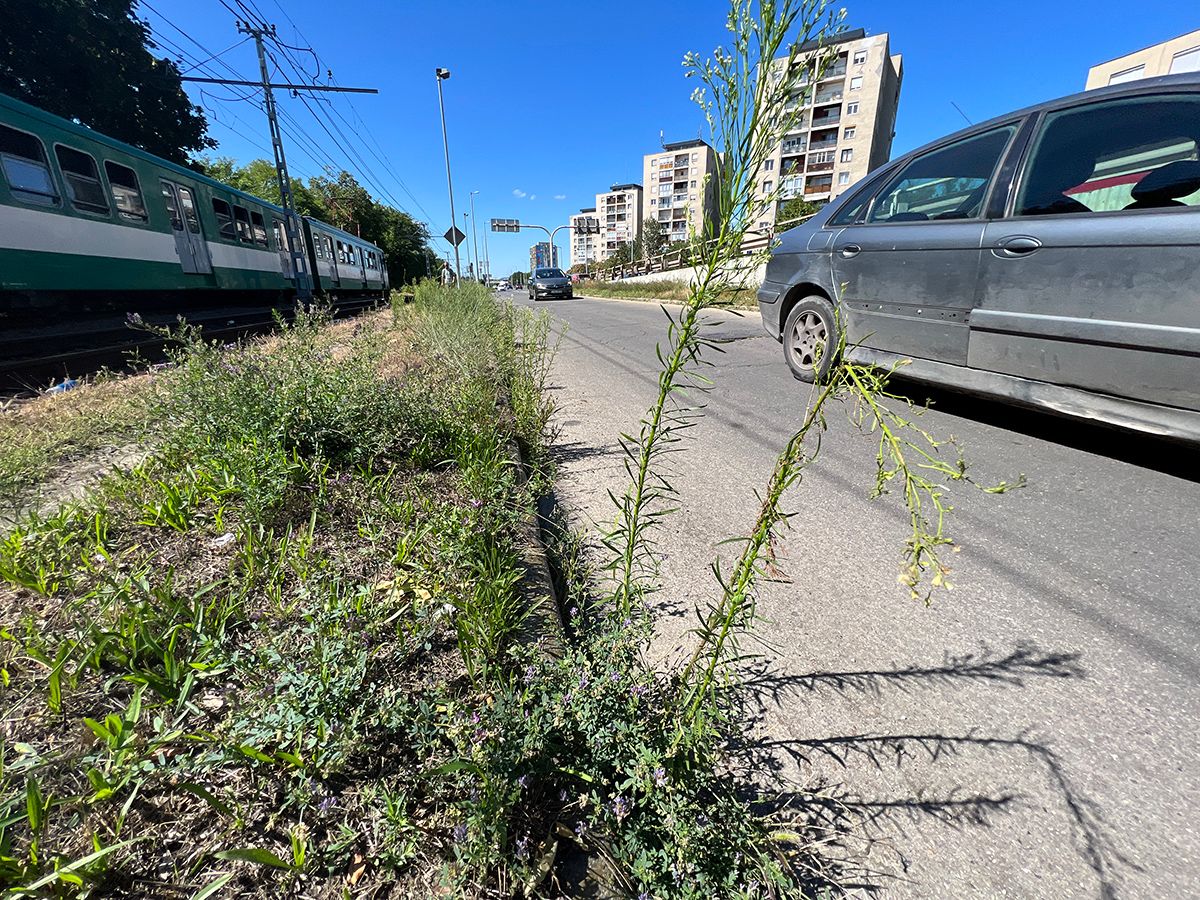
[31, 360]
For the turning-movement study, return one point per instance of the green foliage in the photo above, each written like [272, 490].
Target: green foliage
[795, 208]
[92, 61]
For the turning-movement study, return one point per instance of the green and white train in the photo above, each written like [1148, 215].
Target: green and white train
[87, 220]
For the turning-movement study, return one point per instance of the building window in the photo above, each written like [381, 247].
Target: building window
[1127, 75]
[1185, 61]
[843, 177]
[850, 132]
[860, 57]
[126, 192]
[768, 186]
[856, 83]
[653, 201]
[693, 184]
[769, 165]
[848, 155]
[852, 108]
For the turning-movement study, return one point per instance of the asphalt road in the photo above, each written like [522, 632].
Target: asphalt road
[1034, 732]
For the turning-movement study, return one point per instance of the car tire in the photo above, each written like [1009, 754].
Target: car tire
[811, 327]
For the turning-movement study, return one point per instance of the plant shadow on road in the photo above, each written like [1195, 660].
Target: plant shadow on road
[849, 817]
[1143, 450]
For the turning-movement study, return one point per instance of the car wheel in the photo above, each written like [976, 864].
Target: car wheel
[808, 334]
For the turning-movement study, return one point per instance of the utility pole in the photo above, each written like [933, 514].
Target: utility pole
[474, 236]
[442, 75]
[487, 260]
[291, 221]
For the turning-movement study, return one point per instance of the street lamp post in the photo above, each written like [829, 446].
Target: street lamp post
[470, 265]
[442, 75]
[474, 236]
[487, 260]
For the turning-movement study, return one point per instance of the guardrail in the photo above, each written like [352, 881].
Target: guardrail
[754, 242]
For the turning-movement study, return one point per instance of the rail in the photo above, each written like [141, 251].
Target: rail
[754, 242]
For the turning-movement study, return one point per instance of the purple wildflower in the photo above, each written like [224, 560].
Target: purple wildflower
[562, 795]
[583, 682]
[476, 504]
[621, 807]
[660, 777]
[327, 803]
[523, 848]
[523, 781]
[639, 690]
[460, 832]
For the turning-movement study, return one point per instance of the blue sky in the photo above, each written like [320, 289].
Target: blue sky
[550, 102]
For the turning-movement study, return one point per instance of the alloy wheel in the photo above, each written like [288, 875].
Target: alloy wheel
[809, 335]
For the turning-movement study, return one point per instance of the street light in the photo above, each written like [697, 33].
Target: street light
[471, 265]
[474, 237]
[442, 75]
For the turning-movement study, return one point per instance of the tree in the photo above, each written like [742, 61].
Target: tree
[91, 61]
[795, 208]
[653, 240]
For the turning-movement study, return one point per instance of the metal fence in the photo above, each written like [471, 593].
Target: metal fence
[754, 242]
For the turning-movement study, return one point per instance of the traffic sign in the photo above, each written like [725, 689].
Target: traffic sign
[506, 225]
[454, 236]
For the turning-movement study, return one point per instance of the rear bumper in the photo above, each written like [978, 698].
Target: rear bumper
[770, 295]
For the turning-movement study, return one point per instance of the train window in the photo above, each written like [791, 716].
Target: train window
[224, 218]
[259, 227]
[329, 247]
[189, 210]
[23, 159]
[241, 218]
[125, 190]
[83, 180]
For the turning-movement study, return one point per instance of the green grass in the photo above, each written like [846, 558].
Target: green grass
[658, 291]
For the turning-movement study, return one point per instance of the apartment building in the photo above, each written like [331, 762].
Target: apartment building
[585, 248]
[620, 213]
[847, 118]
[539, 255]
[681, 194]
[1181, 54]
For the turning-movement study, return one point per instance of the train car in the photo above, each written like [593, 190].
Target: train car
[86, 220]
[343, 264]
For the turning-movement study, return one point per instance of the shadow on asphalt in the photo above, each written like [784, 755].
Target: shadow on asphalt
[836, 809]
[1134, 448]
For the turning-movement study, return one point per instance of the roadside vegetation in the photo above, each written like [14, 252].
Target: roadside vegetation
[40, 437]
[671, 291]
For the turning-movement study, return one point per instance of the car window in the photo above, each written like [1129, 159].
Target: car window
[948, 183]
[855, 209]
[550, 273]
[1135, 153]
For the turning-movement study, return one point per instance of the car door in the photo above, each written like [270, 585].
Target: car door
[906, 276]
[1093, 279]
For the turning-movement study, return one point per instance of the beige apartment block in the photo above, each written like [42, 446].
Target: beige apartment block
[585, 248]
[1181, 54]
[847, 118]
[681, 188]
[620, 213]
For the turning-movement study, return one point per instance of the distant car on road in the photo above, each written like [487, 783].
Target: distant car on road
[1050, 257]
[549, 283]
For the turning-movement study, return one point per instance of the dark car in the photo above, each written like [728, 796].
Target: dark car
[1050, 257]
[549, 283]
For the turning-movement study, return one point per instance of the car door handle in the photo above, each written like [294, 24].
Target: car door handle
[1017, 245]
[850, 250]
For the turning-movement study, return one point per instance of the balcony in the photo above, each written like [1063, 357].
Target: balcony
[794, 146]
[679, 199]
[789, 166]
[837, 70]
[829, 96]
[827, 121]
[820, 166]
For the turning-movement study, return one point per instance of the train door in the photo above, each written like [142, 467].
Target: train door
[185, 224]
[285, 256]
[335, 273]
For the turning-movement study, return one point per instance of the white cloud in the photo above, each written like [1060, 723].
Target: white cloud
[533, 196]
[517, 192]
[560, 196]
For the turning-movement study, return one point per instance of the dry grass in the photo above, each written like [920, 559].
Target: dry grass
[658, 291]
[41, 436]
